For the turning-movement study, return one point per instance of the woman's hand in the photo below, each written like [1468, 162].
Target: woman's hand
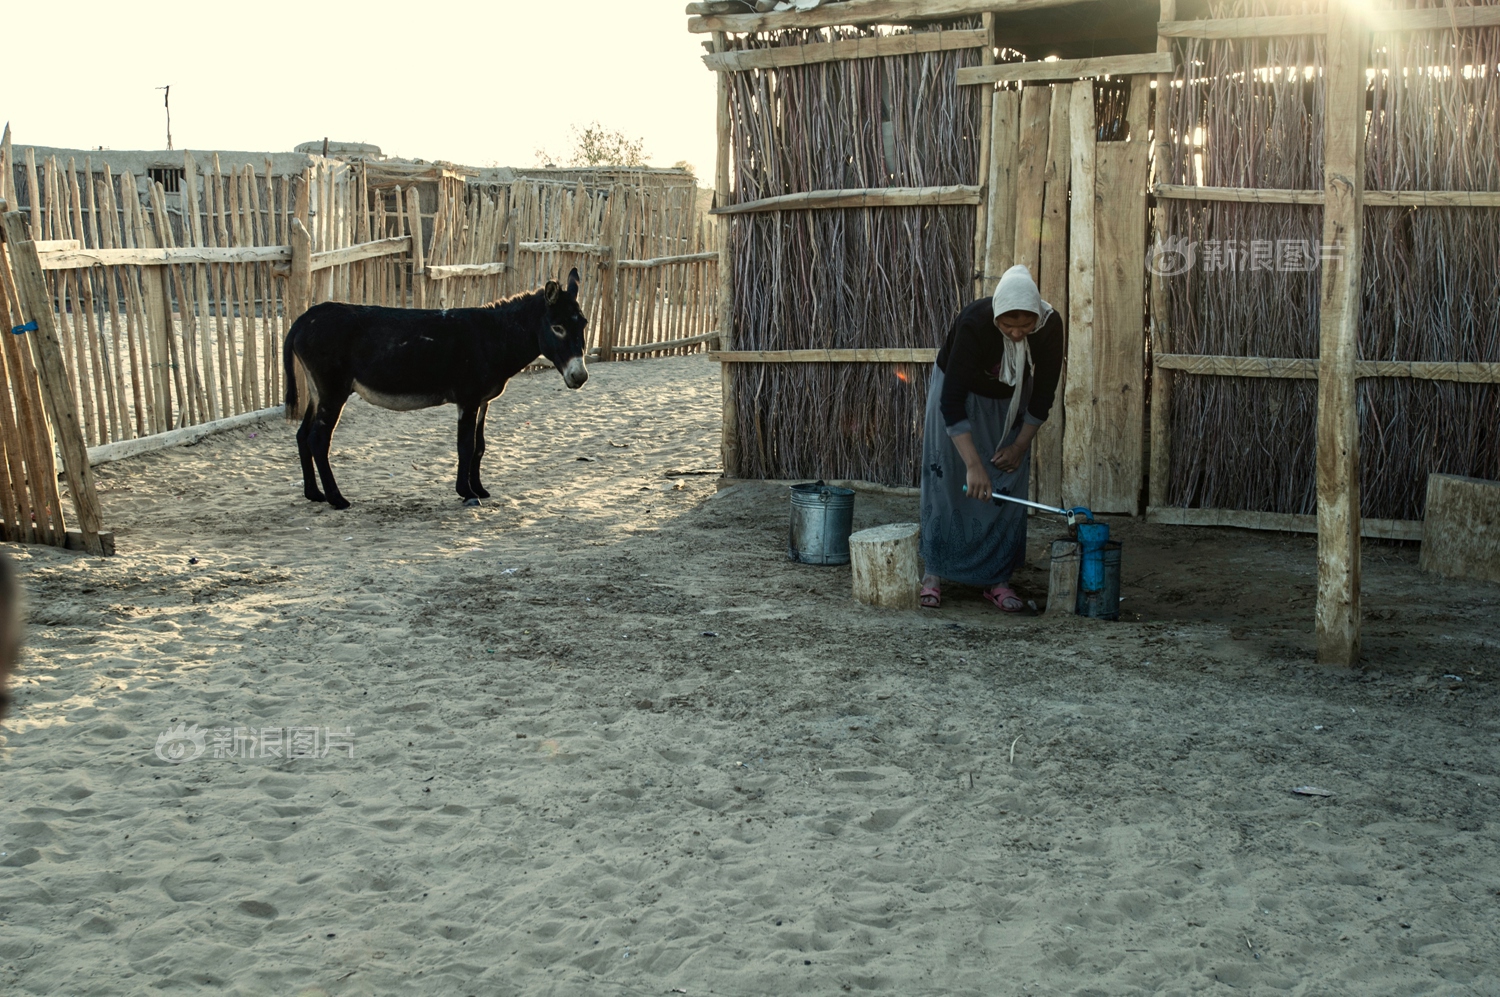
[1009, 458]
[979, 483]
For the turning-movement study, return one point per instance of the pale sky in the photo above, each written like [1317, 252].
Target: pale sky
[479, 84]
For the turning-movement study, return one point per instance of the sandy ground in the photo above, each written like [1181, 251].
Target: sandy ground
[606, 739]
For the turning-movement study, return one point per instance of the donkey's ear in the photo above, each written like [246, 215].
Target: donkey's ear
[550, 291]
[573, 283]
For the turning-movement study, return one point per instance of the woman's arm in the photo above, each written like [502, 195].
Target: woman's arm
[978, 483]
[1009, 458]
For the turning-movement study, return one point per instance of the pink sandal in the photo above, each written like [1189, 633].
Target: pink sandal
[1004, 598]
[931, 597]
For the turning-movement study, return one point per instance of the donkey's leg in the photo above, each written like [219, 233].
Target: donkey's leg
[304, 453]
[466, 418]
[324, 423]
[474, 485]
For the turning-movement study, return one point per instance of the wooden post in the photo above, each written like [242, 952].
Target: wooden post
[729, 429]
[1339, 307]
[299, 292]
[886, 563]
[36, 305]
[1047, 448]
[1078, 393]
[1062, 579]
[1000, 224]
[1161, 334]
[1117, 435]
[299, 282]
[609, 272]
[418, 257]
[986, 109]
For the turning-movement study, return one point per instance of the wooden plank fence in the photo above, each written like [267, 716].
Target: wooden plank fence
[169, 308]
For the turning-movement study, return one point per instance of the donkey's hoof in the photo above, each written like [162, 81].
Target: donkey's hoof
[471, 501]
[314, 496]
[339, 502]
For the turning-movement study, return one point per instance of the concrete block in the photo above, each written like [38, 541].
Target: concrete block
[1461, 534]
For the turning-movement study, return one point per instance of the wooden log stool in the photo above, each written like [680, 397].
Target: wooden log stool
[887, 565]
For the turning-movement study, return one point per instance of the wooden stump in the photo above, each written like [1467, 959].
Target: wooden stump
[1461, 534]
[1062, 583]
[887, 565]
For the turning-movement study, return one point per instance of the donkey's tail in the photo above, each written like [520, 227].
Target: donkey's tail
[289, 357]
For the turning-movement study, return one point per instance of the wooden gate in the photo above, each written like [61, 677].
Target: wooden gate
[1048, 142]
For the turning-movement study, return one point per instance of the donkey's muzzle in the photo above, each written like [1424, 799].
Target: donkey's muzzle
[574, 373]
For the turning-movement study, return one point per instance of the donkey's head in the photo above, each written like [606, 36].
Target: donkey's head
[562, 341]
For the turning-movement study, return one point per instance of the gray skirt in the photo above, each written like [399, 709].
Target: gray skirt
[964, 540]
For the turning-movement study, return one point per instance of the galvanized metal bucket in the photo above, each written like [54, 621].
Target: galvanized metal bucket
[822, 519]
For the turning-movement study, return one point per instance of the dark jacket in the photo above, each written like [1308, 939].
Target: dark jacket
[970, 361]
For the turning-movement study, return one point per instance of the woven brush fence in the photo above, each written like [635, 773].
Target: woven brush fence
[1249, 113]
[846, 278]
[1432, 275]
[646, 238]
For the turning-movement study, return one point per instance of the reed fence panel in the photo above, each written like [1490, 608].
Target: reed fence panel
[1248, 113]
[845, 277]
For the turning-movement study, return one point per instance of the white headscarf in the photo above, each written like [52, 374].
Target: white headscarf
[1017, 292]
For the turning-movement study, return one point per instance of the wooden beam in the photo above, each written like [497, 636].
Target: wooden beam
[853, 484]
[560, 247]
[986, 111]
[35, 305]
[1372, 198]
[1220, 366]
[178, 437]
[75, 540]
[466, 270]
[670, 344]
[1000, 220]
[1067, 69]
[76, 259]
[1435, 19]
[1244, 27]
[1078, 392]
[866, 197]
[299, 281]
[1307, 369]
[661, 261]
[1257, 195]
[1384, 529]
[879, 355]
[1338, 619]
[360, 251]
[1159, 471]
[1031, 183]
[607, 329]
[852, 48]
[1432, 199]
[1117, 440]
[866, 12]
[729, 430]
[1047, 447]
